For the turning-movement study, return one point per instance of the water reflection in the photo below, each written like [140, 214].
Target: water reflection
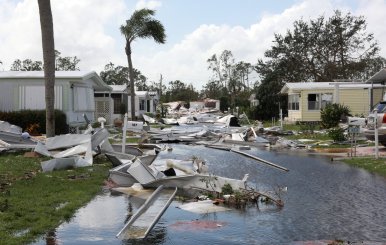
[325, 201]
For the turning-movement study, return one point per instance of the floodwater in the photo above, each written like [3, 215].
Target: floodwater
[325, 201]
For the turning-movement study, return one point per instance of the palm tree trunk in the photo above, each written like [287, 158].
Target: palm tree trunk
[131, 78]
[48, 44]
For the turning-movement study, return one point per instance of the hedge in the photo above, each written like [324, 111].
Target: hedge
[30, 118]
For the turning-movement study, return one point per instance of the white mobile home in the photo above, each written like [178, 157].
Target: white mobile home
[114, 104]
[74, 92]
[145, 102]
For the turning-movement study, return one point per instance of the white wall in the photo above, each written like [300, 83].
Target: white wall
[32, 97]
[7, 96]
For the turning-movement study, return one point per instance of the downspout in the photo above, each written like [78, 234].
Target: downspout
[371, 96]
[336, 93]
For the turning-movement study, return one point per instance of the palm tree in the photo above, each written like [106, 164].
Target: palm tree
[140, 25]
[48, 44]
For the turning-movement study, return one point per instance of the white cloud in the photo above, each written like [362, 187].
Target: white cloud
[374, 12]
[89, 29]
[81, 28]
[150, 4]
[186, 60]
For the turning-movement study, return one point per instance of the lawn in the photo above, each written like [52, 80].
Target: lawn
[372, 165]
[32, 203]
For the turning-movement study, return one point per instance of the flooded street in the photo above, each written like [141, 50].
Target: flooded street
[325, 201]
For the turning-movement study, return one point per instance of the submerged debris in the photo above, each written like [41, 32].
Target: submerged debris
[198, 225]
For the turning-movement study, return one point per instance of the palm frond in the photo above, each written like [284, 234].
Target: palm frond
[142, 25]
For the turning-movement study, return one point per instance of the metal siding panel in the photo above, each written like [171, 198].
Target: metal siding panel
[356, 100]
[31, 100]
[58, 98]
[6, 100]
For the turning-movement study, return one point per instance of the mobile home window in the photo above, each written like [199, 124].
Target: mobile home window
[319, 101]
[141, 105]
[293, 102]
[326, 100]
[117, 103]
[313, 102]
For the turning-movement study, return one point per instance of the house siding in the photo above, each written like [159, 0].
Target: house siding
[294, 115]
[310, 115]
[6, 97]
[357, 100]
[378, 95]
[19, 93]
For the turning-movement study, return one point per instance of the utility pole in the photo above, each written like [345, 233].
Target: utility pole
[160, 95]
[376, 134]
[160, 86]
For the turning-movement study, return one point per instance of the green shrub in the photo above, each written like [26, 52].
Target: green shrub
[227, 189]
[336, 134]
[332, 114]
[26, 118]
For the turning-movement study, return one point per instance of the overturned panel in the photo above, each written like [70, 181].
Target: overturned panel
[67, 140]
[63, 163]
[202, 207]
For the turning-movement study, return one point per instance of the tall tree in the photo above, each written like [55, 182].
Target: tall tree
[115, 75]
[26, 65]
[324, 49]
[179, 91]
[67, 63]
[230, 79]
[320, 50]
[118, 75]
[140, 25]
[48, 44]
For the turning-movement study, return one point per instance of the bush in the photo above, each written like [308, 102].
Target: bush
[336, 134]
[332, 114]
[27, 118]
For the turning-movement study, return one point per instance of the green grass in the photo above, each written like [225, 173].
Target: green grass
[311, 136]
[32, 202]
[372, 165]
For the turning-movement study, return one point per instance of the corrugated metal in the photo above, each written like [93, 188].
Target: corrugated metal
[33, 97]
[6, 97]
[83, 99]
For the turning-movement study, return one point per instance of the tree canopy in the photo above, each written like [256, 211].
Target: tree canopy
[27, 65]
[67, 63]
[179, 91]
[119, 75]
[230, 82]
[320, 50]
[323, 49]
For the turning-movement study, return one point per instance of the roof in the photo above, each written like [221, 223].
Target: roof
[141, 93]
[119, 88]
[98, 82]
[322, 85]
[40, 74]
[378, 77]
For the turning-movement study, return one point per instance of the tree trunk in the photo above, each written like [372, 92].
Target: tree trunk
[48, 44]
[131, 78]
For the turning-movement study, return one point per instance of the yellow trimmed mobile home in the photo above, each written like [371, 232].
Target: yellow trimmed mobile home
[305, 100]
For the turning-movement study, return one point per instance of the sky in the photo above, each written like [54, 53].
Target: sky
[195, 29]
